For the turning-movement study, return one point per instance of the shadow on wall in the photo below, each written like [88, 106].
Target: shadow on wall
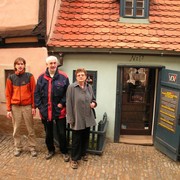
[6, 127]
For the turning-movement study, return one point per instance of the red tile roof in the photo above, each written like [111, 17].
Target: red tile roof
[95, 24]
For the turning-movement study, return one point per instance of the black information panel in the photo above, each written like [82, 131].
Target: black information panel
[168, 109]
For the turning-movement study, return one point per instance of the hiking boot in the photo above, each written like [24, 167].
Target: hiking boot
[66, 157]
[17, 153]
[85, 158]
[33, 153]
[50, 155]
[74, 164]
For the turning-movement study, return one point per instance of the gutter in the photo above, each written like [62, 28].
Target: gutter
[113, 51]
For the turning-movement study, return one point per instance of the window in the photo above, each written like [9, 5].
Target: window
[134, 9]
[7, 73]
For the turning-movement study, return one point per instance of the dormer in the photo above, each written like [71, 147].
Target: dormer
[134, 11]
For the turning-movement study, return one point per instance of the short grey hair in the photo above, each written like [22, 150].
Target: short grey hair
[49, 58]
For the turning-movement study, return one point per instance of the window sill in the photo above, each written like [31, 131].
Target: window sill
[134, 21]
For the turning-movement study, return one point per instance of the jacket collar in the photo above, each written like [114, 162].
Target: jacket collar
[19, 73]
[48, 75]
[76, 84]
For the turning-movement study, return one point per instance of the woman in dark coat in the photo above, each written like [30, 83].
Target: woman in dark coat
[80, 104]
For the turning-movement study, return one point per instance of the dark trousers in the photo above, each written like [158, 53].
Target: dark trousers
[61, 135]
[80, 141]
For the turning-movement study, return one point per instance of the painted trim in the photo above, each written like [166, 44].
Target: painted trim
[119, 97]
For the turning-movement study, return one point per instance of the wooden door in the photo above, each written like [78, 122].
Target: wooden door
[137, 101]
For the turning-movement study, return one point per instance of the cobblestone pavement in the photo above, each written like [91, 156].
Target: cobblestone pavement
[118, 162]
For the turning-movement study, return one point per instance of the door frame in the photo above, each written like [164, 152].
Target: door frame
[119, 94]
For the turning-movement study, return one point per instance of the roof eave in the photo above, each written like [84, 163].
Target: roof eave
[113, 51]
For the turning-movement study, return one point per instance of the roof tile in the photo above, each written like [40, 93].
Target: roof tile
[95, 24]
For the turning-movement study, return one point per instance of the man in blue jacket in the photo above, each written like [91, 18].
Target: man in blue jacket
[50, 98]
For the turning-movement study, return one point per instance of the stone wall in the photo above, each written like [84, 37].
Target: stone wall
[6, 127]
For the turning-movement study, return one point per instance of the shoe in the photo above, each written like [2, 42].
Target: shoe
[66, 157]
[85, 158]
[17, 153]
[74, 164]
[33, 153]
[50, 155]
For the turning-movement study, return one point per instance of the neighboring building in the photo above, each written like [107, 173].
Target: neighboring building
[124, 45]
[22, 34]
[25, 26]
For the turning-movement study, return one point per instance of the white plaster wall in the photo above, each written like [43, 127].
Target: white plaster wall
[35, 63]
[106, 67]
[18, 14]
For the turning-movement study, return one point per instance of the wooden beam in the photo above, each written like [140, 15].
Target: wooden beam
[21, 40]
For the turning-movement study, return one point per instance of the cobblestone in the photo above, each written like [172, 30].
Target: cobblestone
[118, 162]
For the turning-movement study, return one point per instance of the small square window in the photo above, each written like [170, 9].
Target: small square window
[134, 8]
[8, 73]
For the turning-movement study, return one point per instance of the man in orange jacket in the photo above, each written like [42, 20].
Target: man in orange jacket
[20, 88]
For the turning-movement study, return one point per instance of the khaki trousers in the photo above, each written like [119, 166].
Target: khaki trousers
[20, 113]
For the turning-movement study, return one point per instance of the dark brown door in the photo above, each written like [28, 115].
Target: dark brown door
[137, 101]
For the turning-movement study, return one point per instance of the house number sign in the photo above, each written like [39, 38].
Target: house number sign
[136, 58]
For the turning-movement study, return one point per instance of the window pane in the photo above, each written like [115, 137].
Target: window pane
[129, 4]
[129, 12]
[140, 4]
[140, 12]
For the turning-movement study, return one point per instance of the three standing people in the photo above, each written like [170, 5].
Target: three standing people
[50, 98]
[80, 105]
[20, 88]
